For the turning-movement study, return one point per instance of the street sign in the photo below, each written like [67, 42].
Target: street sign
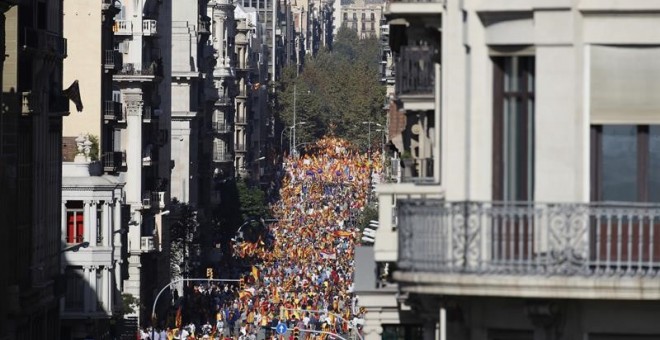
[281, 328]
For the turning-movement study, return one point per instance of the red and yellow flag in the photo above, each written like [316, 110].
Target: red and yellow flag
[177, 319]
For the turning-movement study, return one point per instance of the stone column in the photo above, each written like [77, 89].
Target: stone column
[108, 289]
[87, 223]
[92, 223]
[86, 289]
[64, 226]
[93, 294]
[106, 228]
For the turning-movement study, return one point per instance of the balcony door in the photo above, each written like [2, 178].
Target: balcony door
[513, 159]
[625, 163]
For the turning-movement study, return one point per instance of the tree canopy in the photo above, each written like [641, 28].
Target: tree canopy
[336, 91]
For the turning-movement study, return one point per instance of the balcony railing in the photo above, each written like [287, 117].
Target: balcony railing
[133, 69]
[543, 239]
[112, 60]
[417, 170]
[220, 156]
[240, 147]
[42, 41]
[112, 110]
[415, 71]
[149, 27]
[123, 27]
[113, 161]
[221, 127]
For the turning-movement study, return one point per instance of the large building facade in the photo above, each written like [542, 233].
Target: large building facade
[533, 125]
[33, 104]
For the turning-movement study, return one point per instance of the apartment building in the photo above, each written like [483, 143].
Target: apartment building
[220, 91]
[528, 209]
[91, 215]
[33, 104]
[92, 189]
[141, 32]
[362, 16]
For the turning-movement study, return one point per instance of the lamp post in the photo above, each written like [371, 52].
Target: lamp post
[293, 137]
[369, 142]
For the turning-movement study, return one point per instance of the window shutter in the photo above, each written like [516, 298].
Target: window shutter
[625, 84]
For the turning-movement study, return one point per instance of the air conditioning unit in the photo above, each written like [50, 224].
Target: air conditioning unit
[122, 47]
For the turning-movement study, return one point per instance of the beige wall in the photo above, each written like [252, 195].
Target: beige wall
[82, 29]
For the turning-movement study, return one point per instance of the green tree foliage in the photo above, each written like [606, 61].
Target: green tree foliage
[336, 91]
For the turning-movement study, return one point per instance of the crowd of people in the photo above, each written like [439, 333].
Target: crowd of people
[300, 270]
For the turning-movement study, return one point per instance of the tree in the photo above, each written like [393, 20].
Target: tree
[336, 91]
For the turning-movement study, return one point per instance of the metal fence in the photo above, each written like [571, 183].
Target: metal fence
[529, 238]
[415, 72]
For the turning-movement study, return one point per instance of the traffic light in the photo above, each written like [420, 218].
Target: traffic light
[296, 333]
[209, 273]
[241, 284]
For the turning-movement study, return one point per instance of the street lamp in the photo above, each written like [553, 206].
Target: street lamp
[75, 247]
[369, 142]
[293, 136]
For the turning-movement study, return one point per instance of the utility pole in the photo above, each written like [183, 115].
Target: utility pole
[293, 138]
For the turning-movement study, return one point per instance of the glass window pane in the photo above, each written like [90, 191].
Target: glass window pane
[654, 164]
[619, 163]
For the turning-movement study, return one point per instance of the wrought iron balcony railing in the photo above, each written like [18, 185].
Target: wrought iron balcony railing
[112, 60]
[46, 42]
[221, 127]
[113, 161]
[415, 71]
[417, 170]
[222, 156]
[528, 238]
[112, 110]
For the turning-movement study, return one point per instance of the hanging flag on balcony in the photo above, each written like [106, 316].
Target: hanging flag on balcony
[73, 93]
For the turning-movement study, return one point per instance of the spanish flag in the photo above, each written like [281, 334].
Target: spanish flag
[177, 319]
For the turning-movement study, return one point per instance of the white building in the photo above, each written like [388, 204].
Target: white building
[91, 213]
[534, 126]
[220, 90]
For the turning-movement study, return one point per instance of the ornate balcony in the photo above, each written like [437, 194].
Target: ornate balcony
[112, 60]
[569, 250]
[112, 110]
[123, 27]
[149, 27]
[415, 71]
[241, 120]
[113, 161]
[417, 170]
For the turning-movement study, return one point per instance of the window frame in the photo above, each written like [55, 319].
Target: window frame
[642, 162]
[499, 95]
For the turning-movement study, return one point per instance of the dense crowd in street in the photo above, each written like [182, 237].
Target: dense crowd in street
[301, 267]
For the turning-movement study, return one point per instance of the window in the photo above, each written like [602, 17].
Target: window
[345, 16]
[623, 159]
[354, 16]
[513, 125]
[99, 223]
[75, 228]
[402, 332]
[74, 300]
[373, 17]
